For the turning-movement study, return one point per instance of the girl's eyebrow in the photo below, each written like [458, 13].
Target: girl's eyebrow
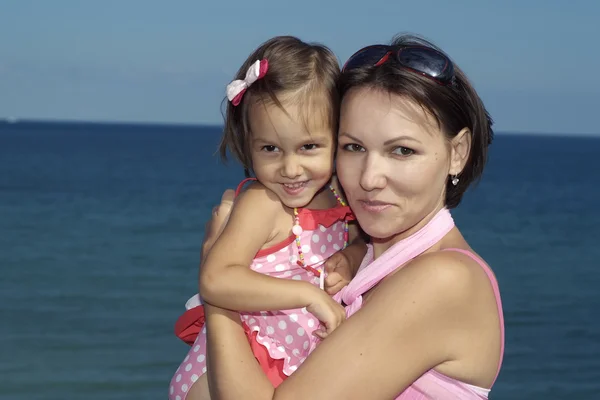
[261, 140]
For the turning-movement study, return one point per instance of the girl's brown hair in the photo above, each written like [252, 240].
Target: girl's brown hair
[302, 73]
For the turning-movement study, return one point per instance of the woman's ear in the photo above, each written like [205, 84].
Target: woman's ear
[460, 146]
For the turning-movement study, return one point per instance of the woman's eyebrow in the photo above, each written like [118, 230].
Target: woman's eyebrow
[410, 138]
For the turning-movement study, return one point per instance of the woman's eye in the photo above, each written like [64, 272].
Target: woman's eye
[353, 147]
[310, 146]
[269, 148]
[404, 151]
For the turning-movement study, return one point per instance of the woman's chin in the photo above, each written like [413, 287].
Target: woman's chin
[378, 233]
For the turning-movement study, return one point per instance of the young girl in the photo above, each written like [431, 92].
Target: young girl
[281, 124]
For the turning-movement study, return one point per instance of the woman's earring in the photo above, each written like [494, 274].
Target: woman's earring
[455, 180]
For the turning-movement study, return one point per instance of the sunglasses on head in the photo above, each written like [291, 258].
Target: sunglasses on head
[420, 59]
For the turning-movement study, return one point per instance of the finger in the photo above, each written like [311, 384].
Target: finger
[331, 328]
[228, 196]
[224, 207]
[332, 263]
[335, 288]
[226, 201]
[320, 333]
[332, 279]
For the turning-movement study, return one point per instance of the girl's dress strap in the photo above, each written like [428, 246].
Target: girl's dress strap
[241, 185]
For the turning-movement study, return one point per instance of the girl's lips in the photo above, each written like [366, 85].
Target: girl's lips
[294, 188]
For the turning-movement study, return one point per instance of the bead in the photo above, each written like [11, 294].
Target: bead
[297, 230]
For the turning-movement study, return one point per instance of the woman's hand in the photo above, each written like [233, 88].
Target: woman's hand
[217, 222]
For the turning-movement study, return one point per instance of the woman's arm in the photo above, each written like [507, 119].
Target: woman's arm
[409, 325]
[226, 338]
[226, 280]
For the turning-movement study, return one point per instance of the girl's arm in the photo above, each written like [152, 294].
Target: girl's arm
[225, 278]
[419, 318]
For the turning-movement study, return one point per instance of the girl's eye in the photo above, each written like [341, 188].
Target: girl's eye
[310, 146]
[269, 148]
[353, 147]
[404, 151]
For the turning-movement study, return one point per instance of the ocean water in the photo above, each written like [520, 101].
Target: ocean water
[100, 229]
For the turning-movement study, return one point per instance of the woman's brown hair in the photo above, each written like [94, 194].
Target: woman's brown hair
[454, 106]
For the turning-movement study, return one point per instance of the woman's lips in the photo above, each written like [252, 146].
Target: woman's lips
[374, 206]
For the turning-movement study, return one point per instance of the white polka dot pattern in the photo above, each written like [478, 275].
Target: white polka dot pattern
[285, 334]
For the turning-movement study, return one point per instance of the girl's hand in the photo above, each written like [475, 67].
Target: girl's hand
[339, 272]
[342, 266]
[328, 311]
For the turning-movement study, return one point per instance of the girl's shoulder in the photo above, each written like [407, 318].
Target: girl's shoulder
[268, 211]
[257, 197]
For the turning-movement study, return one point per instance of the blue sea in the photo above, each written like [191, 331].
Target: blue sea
[101, 225]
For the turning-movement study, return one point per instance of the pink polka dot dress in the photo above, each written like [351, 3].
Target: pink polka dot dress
[285, 337]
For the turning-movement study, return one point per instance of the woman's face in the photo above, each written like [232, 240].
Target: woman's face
[393, 162]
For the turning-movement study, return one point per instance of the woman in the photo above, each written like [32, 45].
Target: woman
[425, 317]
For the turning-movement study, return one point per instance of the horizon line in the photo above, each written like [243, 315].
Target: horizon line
[59, 121]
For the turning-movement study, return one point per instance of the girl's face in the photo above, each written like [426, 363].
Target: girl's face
[393, 162]
[292, 160]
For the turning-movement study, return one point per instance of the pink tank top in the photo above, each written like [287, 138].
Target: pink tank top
[432, 384]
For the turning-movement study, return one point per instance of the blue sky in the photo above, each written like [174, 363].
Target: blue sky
[534, 62]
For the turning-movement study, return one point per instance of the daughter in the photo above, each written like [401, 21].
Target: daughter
[281, 124]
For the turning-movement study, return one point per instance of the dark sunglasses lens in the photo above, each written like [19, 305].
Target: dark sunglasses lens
[367, 56]
[427, 61]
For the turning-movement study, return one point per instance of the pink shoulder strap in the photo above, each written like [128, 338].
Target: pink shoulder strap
[241, 185]
[496, 290]
[372, 271]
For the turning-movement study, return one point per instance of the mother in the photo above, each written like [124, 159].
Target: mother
[426, 318]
